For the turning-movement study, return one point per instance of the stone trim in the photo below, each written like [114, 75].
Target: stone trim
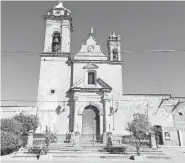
[77, 89]
[82, 107]
[90, 66]
[132, 94]
[60, 18]
[55, 54]
[97, 61]
[102, 83]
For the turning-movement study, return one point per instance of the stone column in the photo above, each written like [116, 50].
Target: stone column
[106, 118]
[74, 114]
[101, 127]
[30, 139]
[101, 124]
[106, 112]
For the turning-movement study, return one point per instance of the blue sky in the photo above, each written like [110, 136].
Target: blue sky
[142, 25]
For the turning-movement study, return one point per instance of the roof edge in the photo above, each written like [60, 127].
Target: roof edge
[139, 94]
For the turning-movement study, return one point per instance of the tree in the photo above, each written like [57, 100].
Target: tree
[157, 131]
[9, 142]
[14, 131]
[10, 135]
[139, 128]
[11, 125]
[28, 122]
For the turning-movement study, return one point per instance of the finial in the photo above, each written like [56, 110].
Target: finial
[60, 4]
[91, 30]
[113, 33]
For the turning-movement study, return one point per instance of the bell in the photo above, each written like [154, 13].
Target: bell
[56, 40]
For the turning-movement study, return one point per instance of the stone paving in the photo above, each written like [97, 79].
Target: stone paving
[177, 153]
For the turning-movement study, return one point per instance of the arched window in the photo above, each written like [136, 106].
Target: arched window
[115, 55]
[56, 42]
[91, 77]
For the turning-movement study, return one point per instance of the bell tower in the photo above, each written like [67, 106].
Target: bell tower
[114, 47]
[55, 71]
[58, 23]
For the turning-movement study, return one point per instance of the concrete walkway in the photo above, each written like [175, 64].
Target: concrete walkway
[177, 153]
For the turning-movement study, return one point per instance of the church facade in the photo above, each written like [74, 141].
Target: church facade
[84, 93]
[77, 87]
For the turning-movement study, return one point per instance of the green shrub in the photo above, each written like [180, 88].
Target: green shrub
[11, 125]
[9, 142]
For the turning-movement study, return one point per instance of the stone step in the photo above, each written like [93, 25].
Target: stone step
[97, 151]
[88, 158]
[91, 156]
[102, 153]
[81, 145]
[159, 157]
[76, 149]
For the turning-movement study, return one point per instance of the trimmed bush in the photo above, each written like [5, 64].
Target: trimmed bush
[9, 142]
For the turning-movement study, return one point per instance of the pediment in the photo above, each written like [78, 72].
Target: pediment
[91, 50]
[90, 66]
[100, 85]
[91, 47]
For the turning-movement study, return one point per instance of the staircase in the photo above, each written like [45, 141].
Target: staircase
[91, 153]
[96, 152]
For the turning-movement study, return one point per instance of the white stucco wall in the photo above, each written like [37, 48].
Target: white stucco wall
[10, 111]
[54, 74]
[109, 73]
[130, 104]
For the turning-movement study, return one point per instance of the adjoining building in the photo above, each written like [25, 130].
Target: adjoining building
[84, 91]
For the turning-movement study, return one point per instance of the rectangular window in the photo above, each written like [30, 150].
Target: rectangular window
[91, 78]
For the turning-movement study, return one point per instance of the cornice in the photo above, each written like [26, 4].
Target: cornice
[97, 61]
[60, 18]
[77, 89]
[55, 54]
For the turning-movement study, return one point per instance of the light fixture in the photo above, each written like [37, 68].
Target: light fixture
[117, 104]
[180, 113]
